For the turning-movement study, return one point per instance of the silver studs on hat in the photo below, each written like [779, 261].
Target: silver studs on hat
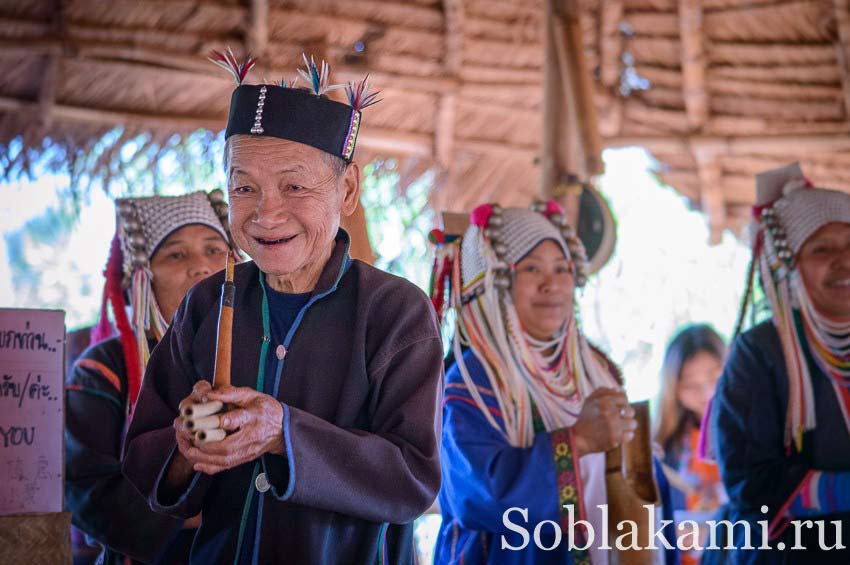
[493, 232]
[258, 117]
[135, 238]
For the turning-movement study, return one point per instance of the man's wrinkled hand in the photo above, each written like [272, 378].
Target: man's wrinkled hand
[185, 437]
[254, 422]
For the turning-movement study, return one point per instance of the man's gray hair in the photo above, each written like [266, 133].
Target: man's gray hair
[336, 164]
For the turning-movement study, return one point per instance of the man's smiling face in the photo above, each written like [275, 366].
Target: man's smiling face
[285, 204]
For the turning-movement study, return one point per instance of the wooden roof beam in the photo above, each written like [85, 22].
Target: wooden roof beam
[693, 63]
[842, 48]
[375, 139]
[767, 145]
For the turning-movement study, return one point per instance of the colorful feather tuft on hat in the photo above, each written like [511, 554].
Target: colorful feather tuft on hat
[228, 62]
[359, 96]
[307, 116]
[319, 78]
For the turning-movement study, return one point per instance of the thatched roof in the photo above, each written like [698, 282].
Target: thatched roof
[461, 79]
[719, 90]
[716, 89]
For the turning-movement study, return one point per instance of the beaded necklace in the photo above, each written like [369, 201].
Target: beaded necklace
[829, 341]
[829, 345]
[555, 375]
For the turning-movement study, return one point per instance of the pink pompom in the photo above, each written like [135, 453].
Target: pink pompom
[480, 216]
[552, 207]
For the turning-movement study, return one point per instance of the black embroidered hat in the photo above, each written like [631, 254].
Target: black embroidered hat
[302, 115]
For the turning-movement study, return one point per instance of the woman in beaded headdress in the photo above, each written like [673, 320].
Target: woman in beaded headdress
[531, 406]
[781, 414]
[162, 246]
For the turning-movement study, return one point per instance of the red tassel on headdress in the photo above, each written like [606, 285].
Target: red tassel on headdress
[442, 267]
[553, 207]
[113, 293]
[103, 330]
[480, 216]
[439, 273]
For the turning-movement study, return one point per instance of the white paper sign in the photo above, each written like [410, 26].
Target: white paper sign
[31, 410]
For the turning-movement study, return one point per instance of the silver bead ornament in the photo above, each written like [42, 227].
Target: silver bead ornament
[125, 209]
[496, 209]
[132, 225]
[137, 241]
[558, 219]
[492, 234]
[140, 258]
[496, 220]
[502, 282]
[501, 249]
[216, 196]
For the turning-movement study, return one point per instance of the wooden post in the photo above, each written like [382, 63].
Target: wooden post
[444, 131]
[258, 32]
[570, 46]
[52, 72]
[355, 225]
[571, 140]
[712, 199]
[693, 63]
[842, 48]
[551, 92]
[47, 95]
[610, 42]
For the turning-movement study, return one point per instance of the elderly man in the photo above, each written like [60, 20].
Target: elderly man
[332, 448]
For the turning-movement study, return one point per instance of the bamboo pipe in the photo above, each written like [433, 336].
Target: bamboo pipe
[224, 342]
[201, 417]
[201, 410]
[209, 436]
[206, 423]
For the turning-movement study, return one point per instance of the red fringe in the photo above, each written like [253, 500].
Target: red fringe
[113, 293]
